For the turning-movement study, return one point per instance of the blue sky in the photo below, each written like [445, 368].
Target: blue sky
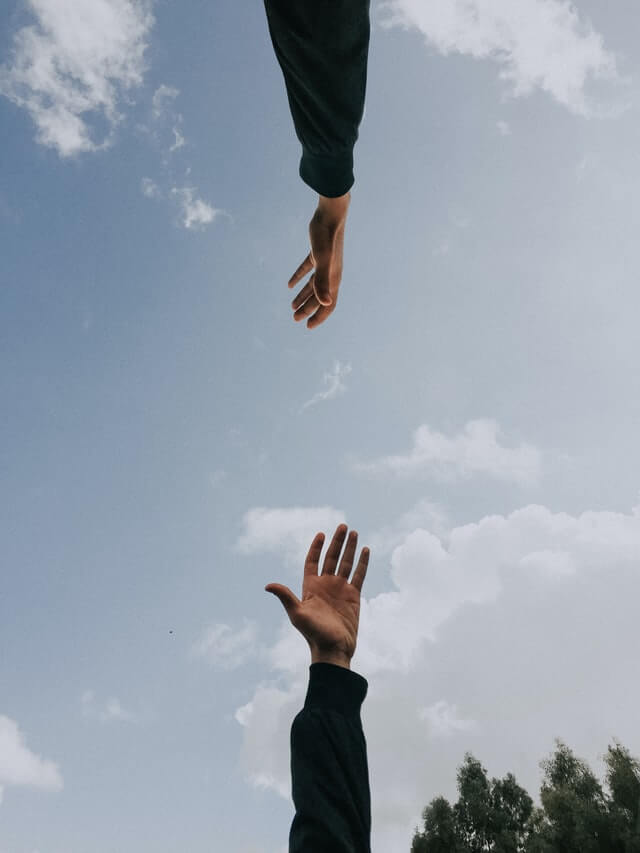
[171, 440]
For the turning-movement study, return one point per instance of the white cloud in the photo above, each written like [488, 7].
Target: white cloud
[475, 450]
[426, 515]
[75, 62]
[519, 629]
[110, 711]
[539, 44]
[164, 113]
[227, 649]
[196, 213]
[333, 380]
[150, 189]
[179, 140]
[504, 128]
[161, 97]
[287, 530]
[442, 719]
[20, 766]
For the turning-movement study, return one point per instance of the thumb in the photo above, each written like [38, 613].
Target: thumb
[289, 601]
[321, 289]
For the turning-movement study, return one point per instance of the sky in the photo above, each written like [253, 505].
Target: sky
[171, 441]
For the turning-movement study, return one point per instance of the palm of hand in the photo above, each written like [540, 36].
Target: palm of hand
[329, 612]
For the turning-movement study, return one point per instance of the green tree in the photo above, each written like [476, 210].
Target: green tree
[488, 816]
[510, 810]
[440, 833]
[574, 805]
[576, 816]
[473, 809]
[623, 781]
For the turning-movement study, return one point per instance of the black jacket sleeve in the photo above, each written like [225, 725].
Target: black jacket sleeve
[322, 47]
[329, 770]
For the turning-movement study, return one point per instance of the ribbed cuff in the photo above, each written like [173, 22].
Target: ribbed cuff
[330, 175]
[335, 688]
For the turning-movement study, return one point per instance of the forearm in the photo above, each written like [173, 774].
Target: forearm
[329, 768]
[322, 47]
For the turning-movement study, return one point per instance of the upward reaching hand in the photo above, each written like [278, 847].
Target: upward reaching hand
[329, 612]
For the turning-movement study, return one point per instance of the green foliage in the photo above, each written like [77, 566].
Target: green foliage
[499, 816]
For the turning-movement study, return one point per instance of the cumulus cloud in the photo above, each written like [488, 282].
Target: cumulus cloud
[512, 631]
[334, 385]
[426, 514]
[225, 648]
[476, 450]
[288, 530]
[20, 766]
[74, 63]
[196, 213]
[539, 44]
[107, 712]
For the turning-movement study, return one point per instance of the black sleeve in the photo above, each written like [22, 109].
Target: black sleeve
[329, 770]
[322, 47]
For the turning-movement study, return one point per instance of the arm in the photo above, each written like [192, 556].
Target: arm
[329, 769]
[322, 47]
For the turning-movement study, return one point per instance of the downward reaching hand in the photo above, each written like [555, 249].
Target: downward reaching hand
[329, 612]
[317, 299]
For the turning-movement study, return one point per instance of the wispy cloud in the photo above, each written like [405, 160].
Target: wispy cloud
[109, 711]
[225, 648]
[196, 212]
[150, 189]
[167, 119]
[76, 61]
[19, 765]
[161, 97]
[334, 385]
[475, 450]
[539, 44]
[179, 140]
[443, 721]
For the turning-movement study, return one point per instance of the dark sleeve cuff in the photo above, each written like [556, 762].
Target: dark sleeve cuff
[330, 175]
[335, 688]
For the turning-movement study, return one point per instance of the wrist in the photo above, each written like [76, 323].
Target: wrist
[336, 207]
[336, 658]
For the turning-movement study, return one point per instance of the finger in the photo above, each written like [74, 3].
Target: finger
[346, 563]
[305, 293]
[313, 555]
[306, 266]
[287, 598]
[361, 569]
[320, 316]
[307, 309]
[321, 288]
[333, 552]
